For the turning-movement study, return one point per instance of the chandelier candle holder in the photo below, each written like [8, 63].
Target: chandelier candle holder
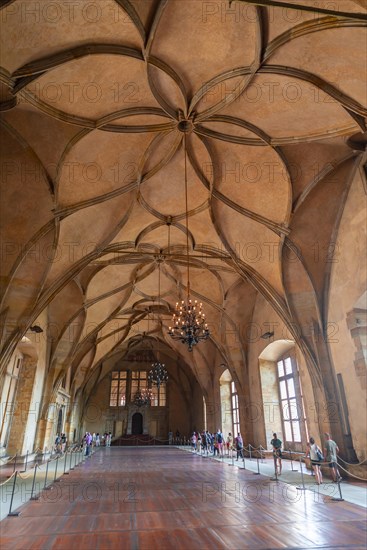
[188, 322]
[158, 374]
[143, 398]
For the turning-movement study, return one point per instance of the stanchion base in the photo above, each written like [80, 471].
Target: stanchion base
[301, 488]
[57, 480]
[256, 473]
[294, 470]
[35, 498]
[274, 479]
[14, 514]
[335, 499]
[47, 488]
[66, 473]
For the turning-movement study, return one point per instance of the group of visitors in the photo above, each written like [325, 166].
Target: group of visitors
[96, 440]
[216, 443]
[60, 443]
[315, 454]
[329, 456]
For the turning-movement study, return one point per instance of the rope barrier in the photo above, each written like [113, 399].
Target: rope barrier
[351, 475]
[25, 477]
[6, 481]
[5, 461]
[351, 463]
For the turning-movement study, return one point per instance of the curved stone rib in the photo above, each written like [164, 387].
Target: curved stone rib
[305, 7]
[25, 145]
[143, 177]
[308, 27]
[139, 129]
[232, 73]
[327, 170]
[289, 140]
[319, 82]
[62, 213]
[130, 112]
[207, 132]
[173, 113]
[275, 227]
[49, 62]
[133, 14]
[56, 113]
[153, 28]
[151, 227]
[49, 226]
[230, 98]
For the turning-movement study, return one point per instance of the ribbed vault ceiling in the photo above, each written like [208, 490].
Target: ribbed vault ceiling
[93, 192]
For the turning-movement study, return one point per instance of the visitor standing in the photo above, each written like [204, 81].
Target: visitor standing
[277, 453]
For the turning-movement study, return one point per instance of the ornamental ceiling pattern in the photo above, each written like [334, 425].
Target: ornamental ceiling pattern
[96, 101]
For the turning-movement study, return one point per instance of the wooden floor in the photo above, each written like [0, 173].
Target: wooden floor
[165, 498]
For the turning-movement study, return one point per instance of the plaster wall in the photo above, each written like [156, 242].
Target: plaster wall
[179, 414]
[261, 414]
[270, 395]
[347, 285]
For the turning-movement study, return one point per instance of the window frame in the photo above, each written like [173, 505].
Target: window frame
[291, 402]
[235, 409]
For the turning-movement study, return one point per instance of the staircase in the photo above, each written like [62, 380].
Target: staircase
[140, 440]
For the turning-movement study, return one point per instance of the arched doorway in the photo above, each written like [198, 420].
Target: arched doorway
[137, 424]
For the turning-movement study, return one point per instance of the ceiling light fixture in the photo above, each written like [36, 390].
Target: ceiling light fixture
[158, 375]
[142, 398]
[267, 335]
[188, 322]
[36, 328]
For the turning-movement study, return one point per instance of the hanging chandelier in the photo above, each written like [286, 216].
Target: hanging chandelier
[158, 374]
[143, 398]
[188, 321]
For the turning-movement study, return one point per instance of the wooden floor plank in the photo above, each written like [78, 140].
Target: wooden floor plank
[159, 498]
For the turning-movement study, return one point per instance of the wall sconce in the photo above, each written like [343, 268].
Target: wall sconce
[36, 328]
[267, 335]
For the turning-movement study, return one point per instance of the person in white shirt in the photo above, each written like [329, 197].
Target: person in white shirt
[316, 456]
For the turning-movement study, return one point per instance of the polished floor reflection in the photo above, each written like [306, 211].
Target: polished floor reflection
[163, 498]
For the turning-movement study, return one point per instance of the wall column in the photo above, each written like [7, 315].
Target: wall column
[17, 440]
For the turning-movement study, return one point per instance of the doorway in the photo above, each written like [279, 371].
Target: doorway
[137, 424]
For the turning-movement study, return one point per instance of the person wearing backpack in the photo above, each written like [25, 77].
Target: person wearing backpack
[219, 440]
[239, 446]
[316, 456]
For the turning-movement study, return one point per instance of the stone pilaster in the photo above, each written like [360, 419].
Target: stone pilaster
[23, 400]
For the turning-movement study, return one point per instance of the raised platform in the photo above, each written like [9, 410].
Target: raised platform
[140, 440]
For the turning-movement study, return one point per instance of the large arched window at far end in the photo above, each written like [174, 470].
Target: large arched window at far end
[118, 389]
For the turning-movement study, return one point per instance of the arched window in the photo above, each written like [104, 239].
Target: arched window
[118, 389]
[291, 399]
[284, 410]
[235, 409]
[229, 404]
